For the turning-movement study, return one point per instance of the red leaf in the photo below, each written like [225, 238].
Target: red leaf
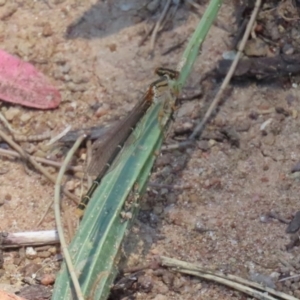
[22, 83]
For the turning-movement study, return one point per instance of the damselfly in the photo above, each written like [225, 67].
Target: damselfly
[105, 150]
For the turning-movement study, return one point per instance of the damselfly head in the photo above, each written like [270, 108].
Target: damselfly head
[167, 72]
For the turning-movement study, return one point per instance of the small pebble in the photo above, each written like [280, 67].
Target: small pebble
[264, 218]
[146, 283]
[294, 113]
[47, 30]
[30, 269]
[295, 286]
[288, 49]
[29, 280]
[297, 294]
[265, 124]
[65, 68]
[2, 2]
[152, 6]
[112, 47]
[211, 142]
[25, 117]
[186, 110]
[294, 224]
[203, 145]
[17, 261]
[194, 198]
[10, 268]
[80, 78]
[44, 254]
[31, 292]
[256, 47]
[160, 297]
[168, 277]
[275, 276]
[164, 191]
[40, 153]
[70, 185]
[161, 289]
[178, 283]
[47, 279]
[12, 113]
[243, 126]
[269, 139]
[296, 167]
[30, 253]
[171, 198]
[53, 250]
[73, 87]
[200, 227]
[102, 111]
[8, 11]
[158, 209]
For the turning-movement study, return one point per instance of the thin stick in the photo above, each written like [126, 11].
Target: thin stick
[7, 125]
[31, 238]
[168, 186]
[290, 277]
[70, 227]
[32, 137]
[44, 214]
[215, 102]
[238, 283]
[60, 135]
[26, 156]
[192, 3]
[56, 164]
[158, 24]
[58, 219]
[142, 41]
[89, 158]
[227, 79]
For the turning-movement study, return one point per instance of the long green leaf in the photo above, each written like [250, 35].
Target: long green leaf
[191, 52]
[95, 248]
[96, 244]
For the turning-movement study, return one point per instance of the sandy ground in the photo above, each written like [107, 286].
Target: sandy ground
[90, 50]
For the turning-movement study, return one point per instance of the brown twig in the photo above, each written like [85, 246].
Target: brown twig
[158, 24]
[70, 227]
[142, 41]
[89, 158]
[32, 238]
[169, 186]
[11, 153]
[6, 124]
[38, 167]
[192, 3]
[58, 220]
[251, 288]
[227, 79]
[281, 12]
[225, 83]
[44, 214]
[32, 137]
[174, 47]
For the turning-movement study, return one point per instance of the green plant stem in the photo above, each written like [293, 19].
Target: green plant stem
[192, 50]
[58, 219]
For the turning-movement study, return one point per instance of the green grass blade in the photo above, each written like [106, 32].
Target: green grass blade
[96, 246]
[192, 49]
